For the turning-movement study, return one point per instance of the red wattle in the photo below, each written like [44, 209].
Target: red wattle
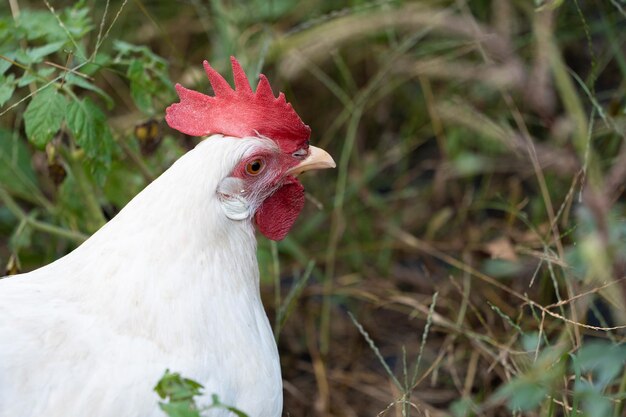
[279, 211]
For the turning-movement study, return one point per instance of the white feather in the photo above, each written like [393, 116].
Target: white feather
[170, 282]
[235, 205]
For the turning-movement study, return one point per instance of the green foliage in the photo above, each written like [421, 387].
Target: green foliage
[62, 38]
[16, 173]
[147, 73]
[7, 86]
[180, 392]
[531, 388]
[605, 360]
[88, 125]
[603, 363]
[54, 74]
[44, 115]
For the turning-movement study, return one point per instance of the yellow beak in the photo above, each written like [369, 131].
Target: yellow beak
[318, 159]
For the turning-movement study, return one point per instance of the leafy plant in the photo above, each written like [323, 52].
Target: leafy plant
[180, 394]
[54, 70]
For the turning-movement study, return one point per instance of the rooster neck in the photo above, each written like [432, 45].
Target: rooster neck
[172, 255]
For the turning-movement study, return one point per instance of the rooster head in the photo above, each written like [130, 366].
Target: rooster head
[263, 183]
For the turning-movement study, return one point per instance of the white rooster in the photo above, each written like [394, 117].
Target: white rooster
[172, 281]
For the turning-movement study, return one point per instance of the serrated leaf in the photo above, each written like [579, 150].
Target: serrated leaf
[176, 388]
[31, 77]
[77, 19]
[5, 64]
[7, 86]
[140, 86]
[125, 49]
[88, 125]
[36, 54]
[43, 116]
[70, 202]
[39, 24]
[74, 79]
[101, 60]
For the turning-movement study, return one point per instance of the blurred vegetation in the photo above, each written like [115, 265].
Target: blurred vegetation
[467, 257]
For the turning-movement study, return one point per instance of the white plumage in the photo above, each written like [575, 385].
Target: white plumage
[170, 282]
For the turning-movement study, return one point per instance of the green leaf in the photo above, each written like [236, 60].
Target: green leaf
[176, 388]
[73, 79]
[39, 24]
[126, 49]
[501, 268]
[180, 393]
[179, 409]
[70, 201]
[605, 359]
[594, 403]
[88, 125]
[31, 76]
[16, 172]
[7, 86]
[468, 164]
[141, 87]
[102, 60]
[43, 116]
[35, 55]
[462, 407]
[6, 29]
[531, 340]
[4, 64]
[123, 183]
[77, 19]
[526, 391]
[523, 394]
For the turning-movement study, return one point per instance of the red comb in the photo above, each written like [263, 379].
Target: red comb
[239, 112]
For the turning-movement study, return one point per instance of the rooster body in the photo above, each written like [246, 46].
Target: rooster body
[172, 281]
[155, 288]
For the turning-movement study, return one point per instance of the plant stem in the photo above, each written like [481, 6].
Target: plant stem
[337, 227]
[143, 168]
[95, 218]
[39, 225]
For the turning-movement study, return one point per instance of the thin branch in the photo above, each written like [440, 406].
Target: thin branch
[67, 69]
[39, 225]
[420, 245]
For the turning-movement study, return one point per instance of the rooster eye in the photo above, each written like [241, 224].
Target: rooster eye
[255, 167]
